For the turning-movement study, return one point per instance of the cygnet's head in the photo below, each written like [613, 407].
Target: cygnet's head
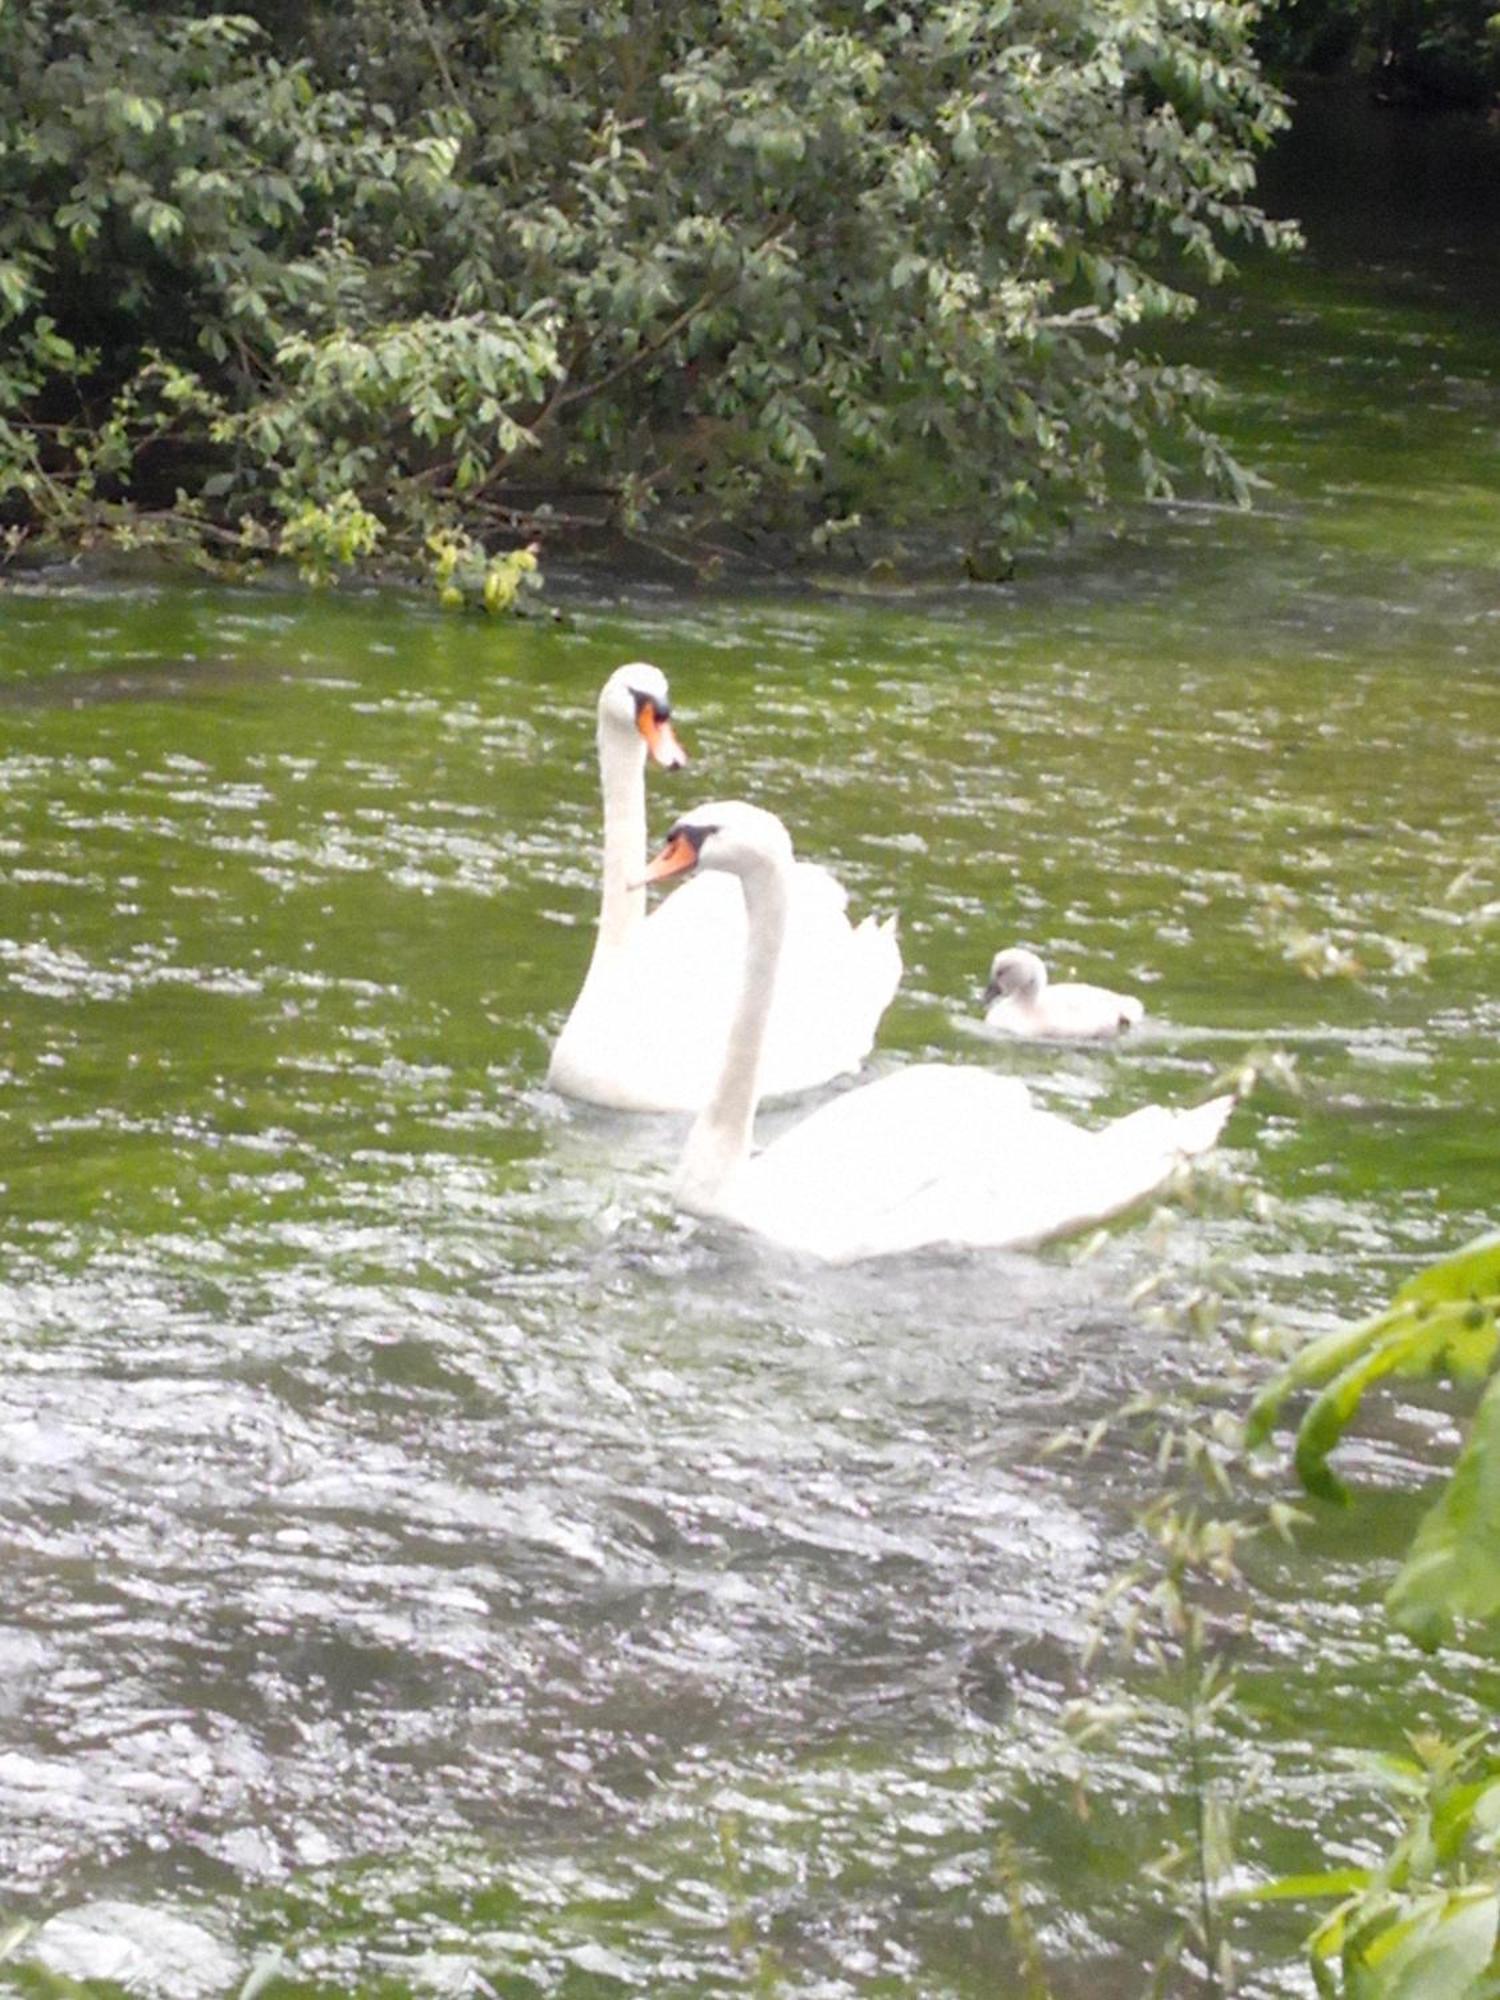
[634, 702]
[728, 834]
[1016, 974]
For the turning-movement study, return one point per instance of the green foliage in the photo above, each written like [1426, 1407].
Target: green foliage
[1453, 1567]
[504, 271]
[1422, 1924]
[1422, 1921]
[321, 540]
[1442, 1321]
[464, 574]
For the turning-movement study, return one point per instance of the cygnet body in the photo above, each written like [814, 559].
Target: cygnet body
[1020, 1000]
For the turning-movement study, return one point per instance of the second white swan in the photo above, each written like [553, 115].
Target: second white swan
[632, 1040]
[931, 1155]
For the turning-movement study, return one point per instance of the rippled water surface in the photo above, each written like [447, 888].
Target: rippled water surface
[431, 1566]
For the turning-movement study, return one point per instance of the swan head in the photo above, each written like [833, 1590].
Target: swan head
[634, 703]
[728, 835]
[1015, 975]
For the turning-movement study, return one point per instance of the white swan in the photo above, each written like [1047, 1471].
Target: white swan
[1026, 1004]
[648, 1029]
[933, 1154]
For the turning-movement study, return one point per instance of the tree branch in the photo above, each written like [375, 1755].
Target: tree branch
[689, 313]
[440, 61]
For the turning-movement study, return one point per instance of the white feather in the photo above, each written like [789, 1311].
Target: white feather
[648, 1030]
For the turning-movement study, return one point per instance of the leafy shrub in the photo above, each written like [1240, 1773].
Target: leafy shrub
[494, 270]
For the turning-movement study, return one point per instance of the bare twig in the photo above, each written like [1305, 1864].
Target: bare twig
[440, 61]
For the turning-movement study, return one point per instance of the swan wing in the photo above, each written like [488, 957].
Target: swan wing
[955, 1156]
[846, 1181]
[834, 982]
[1061, 1177]
[649, 1029]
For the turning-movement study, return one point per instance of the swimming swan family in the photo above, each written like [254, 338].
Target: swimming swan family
[648, 1029]
[934, 1154]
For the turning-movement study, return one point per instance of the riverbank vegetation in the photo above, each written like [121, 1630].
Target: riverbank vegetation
[1431, 54]
[425, 283]
[1425, 1918]
[1419, 1920]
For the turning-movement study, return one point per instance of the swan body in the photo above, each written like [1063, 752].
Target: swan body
[1023, 1002]
[632, 1040]
[935, 1154]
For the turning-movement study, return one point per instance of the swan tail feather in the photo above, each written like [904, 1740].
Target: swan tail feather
[1197, 1129]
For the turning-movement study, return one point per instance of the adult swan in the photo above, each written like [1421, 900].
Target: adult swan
[648, 1029]
[933, 1154]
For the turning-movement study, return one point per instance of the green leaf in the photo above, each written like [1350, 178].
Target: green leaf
[1443, 1316]
[1462, 1808]
[1437, 1952]
[1304, 1888]
[141, 114]
[159, 219]
[1319, 1361]
[1400, 1341]
[15, 287]
[1470, 1273]
[1453, 1567]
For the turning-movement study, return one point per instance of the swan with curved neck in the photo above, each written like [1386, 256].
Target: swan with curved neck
[935, 1154]
[635, 721]
[626, 1042]
[1020, 1001]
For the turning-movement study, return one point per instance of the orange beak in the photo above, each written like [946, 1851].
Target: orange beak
[678, 857]
[661, 737]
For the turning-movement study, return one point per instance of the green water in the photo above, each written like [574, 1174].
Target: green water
[433, 1567]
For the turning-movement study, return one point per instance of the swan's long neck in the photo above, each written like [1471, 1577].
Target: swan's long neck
[622, 778]
[720, 1138]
